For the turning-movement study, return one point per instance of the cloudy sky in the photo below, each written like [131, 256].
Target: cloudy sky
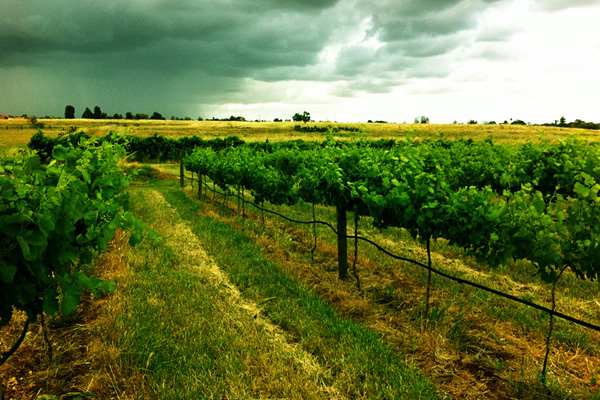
[340, 60]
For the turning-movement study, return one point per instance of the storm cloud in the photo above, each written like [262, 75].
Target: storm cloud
[188, 57]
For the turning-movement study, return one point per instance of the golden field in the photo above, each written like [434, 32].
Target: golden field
[16, 133]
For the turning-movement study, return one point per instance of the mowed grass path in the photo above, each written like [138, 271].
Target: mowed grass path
[227, 323]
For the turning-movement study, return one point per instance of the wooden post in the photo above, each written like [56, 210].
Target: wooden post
[181, 181]
[342, 240]
[199, 185]
[239, 199]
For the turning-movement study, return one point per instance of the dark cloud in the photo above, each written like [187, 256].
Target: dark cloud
[560, 5]
[172, 55]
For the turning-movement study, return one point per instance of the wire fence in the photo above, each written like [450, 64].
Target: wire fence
[551, 311]
[462, 281]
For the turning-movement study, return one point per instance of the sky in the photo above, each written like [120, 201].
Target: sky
[340, 60]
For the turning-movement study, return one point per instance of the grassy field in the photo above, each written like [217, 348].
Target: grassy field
[232, 307]
[17, 132]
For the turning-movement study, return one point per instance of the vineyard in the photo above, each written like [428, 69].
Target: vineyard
[533, 205]
[537, 203]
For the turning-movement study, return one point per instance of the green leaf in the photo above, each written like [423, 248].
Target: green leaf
[50, 303]
[7, 272]
[539, 204]
[59, 152]
[71, 298]
[581, 190]
[135, 238]
[24, 248]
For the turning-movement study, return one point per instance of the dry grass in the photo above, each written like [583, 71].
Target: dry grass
[85, 355]
[466, 352]
[274, 366]
[18, 132]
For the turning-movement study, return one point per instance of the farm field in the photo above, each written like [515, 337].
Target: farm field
[18, 132]
[193, 316]
[240, 304]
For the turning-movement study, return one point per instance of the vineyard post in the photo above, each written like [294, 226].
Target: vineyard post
[428, 278]
[239, 199]
[354, 271]
[312, 251]
[199, 185]
[342, 239]
[181, 182]
[544, 368]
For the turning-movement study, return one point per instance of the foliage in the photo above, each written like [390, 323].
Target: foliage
[69, 112]
[535, 202]
[87, 113]
[304, 117]
[53, 218]
[328, 128]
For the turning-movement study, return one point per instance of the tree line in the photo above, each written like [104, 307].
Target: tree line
[305, 117]
[99, 114]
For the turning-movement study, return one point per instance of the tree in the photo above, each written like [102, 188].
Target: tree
[563, 121]
[87, 113]
[304, 117]
[69, 112]
[117, 116]
[128, 115]
[156, 115]
[98, 114]
[424, 119]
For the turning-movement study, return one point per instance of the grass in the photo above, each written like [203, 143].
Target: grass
[502, 340]
[18, 132]
[184, 330]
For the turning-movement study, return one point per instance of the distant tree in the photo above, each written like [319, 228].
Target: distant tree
[518, 122]
[200, 119]
[141, 116]
[472, 122]
[277, 120]
[69, 112]
[304, 117]
[424, 119]
[87, 113]
[117, 116]
[492, 123]
[128, 115]
[35, 124]
[156, 115]
[563, 121]
[98, 114]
